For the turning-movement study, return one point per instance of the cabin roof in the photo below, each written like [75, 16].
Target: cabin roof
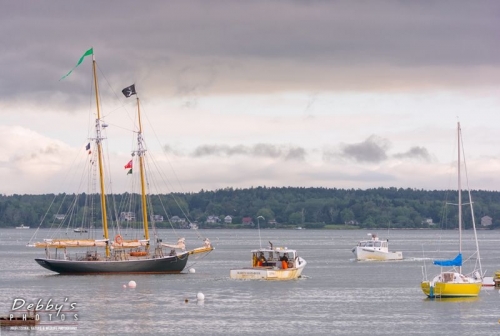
[275, 249]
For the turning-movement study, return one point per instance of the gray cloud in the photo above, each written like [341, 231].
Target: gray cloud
[171, 150]
[373, 149]
[415, 153]
[46, 153]
[192, 81]
[258, 150]
[392, 41]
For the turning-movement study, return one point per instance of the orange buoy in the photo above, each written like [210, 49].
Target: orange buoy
[118, 239]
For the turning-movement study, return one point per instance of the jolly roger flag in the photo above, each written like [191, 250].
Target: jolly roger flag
[129, 90]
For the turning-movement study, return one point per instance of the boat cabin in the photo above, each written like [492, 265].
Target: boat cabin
[279, 257]
[373, 243]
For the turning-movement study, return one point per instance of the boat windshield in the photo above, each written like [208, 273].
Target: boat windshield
[372, 243]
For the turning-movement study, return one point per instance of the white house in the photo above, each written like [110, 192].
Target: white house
[428, 221]
[486, 221]
[228, 219]
[127, 216]
[213, 219]
[177, 219]
[157, 218]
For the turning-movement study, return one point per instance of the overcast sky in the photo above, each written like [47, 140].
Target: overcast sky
[344, 94]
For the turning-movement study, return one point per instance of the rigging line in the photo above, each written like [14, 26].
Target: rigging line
[117, 96]
[161, 201]
[43, 219]
[176, 200]
[64, 180]
[200, 259]
[92, 113]
[151, 216]
[471, 206]
[172, 169]
[155, 164]
[107, 175]
[165, 154]
[149, 203]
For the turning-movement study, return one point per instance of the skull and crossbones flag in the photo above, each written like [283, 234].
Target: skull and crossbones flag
[129, 90]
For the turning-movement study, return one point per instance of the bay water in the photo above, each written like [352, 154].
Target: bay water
[335, 296]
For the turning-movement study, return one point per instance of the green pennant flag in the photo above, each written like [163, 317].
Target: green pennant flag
[87, 53]
[130, 171]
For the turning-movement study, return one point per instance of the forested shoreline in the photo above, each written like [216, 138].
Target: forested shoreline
[290, 206]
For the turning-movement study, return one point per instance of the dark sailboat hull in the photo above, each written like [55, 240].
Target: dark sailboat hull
[169, 264]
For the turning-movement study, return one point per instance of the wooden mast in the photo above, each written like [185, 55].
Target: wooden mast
[99, 158]
[141, 152]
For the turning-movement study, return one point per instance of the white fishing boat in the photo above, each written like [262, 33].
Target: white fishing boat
[453, 283]
[272, 263]
[375, 249]
[80, 230]
[22, 227]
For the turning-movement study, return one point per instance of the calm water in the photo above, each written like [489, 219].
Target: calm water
[336, 296]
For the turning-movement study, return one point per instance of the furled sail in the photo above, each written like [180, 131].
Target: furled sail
[62, 243]
[453, 262]
[181, 244]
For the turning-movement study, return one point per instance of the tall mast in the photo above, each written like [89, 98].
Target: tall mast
[99, 156]
[459, 197]
[141, 152]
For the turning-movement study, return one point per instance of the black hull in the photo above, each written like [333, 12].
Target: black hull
[170, 264]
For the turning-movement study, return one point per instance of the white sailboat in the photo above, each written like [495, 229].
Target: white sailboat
[107, 254]
[452, 282]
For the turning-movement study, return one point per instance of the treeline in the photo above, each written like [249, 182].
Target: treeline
[306, 207]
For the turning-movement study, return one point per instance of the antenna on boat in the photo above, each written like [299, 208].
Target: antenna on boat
[258, 226]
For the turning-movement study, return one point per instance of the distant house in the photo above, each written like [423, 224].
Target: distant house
[486, 221]
[428, 221]
[228, 219]
[127, 216]
[272, 222]
[247, 221]
[157, 218]
[213, 219]
[193, 226]
[59, 217]
[352, 222]
[177, 219]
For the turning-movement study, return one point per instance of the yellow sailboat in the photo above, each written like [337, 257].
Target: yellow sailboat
[453, 283]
